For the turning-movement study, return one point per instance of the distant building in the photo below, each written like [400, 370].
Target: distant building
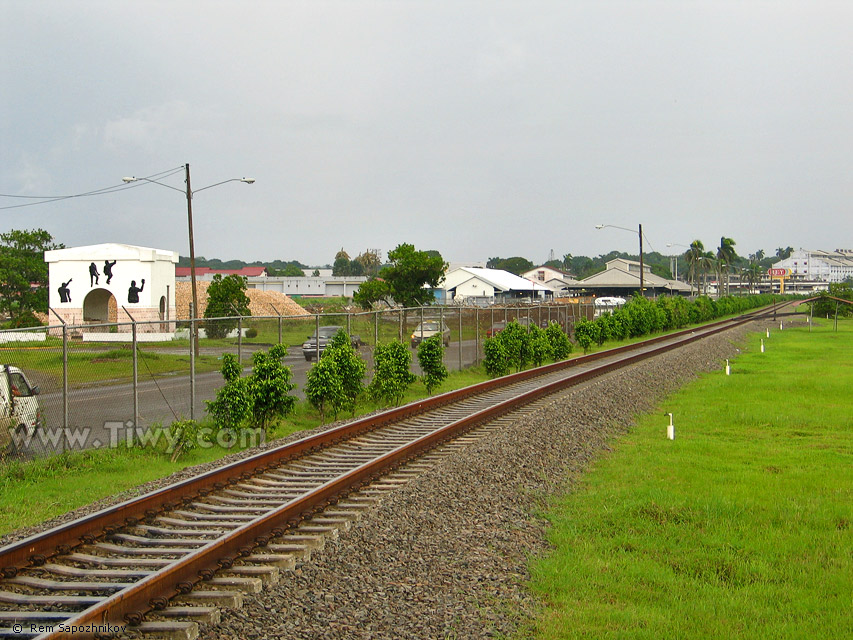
[621, 278]
[825, 266]
[487, 286]
[206, 273]
[556, 280]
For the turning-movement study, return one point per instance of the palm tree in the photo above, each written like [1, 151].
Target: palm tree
[706, 264]
[726, 255]
[692, 257]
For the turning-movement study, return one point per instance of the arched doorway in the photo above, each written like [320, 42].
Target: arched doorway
[99, 305]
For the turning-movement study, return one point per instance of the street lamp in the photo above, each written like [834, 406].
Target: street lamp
[189, 194]
[674, 259]
[640, 234]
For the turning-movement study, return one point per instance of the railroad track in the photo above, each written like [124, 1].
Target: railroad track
[205, 539]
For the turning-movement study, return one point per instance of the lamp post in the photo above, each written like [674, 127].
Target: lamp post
[189, 194]
[639, 232]
[675, 258]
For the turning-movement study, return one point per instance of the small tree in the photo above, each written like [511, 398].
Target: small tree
[496, 360]
[516, 341]
[226, 298]
[561, 346]
[233, 404]
[586, 333]
[391, 374]
[323, 387]
[269, 386]
[350, 366]
[540, 347]
[431, 359]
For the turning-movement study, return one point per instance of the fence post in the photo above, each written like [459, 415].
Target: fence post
[349, 323]
[192, 362]
[459, 311]
[240, 341]
[64, 386]
[376, 328]
[135, 376]
[401, 324]
[477, 335]
[317, 334]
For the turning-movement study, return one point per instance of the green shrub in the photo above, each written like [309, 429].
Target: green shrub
[269, 386]
[323, 387]
[391, 374]
[540, 347]
[496, 360]
[516, 341]
[561, 346]
[587, 333]
[431, 359]
[350, 367]
[251, 332]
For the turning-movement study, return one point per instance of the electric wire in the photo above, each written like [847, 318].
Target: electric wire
[96, 192]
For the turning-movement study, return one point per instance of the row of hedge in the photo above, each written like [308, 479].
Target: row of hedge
[642, 316]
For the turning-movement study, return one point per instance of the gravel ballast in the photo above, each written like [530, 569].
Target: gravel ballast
[446, 555]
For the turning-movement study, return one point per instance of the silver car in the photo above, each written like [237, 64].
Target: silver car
[429, 328]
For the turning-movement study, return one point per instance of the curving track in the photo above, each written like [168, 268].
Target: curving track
[224, 528]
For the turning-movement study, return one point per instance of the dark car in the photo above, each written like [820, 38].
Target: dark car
[309, 347]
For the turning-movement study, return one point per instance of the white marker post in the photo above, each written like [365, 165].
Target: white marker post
[762, 345]
[728, 368]
[768, 332]
[670, 430]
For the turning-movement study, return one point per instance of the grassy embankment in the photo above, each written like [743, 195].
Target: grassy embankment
[742, 527]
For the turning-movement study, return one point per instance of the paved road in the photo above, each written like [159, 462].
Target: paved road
[103, 415]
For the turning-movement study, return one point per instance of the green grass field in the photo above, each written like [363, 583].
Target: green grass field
[742, 527]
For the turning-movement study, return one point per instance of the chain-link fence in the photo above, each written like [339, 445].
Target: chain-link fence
[98, 385]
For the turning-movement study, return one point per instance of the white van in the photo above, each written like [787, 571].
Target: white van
[607, 303]
[19, 406]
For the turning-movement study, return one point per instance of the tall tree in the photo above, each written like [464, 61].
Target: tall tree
[726, 255]
[226, 298]
[693, 256]
[23, 274]
[370, 261]
[404, 278]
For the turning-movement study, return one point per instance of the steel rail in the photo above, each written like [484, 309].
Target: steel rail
[179, 577]
[36, 549]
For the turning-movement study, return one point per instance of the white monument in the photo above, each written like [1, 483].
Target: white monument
[112, 282]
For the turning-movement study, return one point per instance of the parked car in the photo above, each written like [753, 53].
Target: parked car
[495, 329]
[309, 348]
[20, 411]
[429, 328]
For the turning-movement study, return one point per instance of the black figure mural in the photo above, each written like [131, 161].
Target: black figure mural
[108, 269]
[133, 292]
[93, 274]
[65, 292]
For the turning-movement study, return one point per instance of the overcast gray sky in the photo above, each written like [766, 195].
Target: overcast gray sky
[478, 129]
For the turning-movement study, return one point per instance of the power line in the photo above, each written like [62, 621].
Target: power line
[96, 192]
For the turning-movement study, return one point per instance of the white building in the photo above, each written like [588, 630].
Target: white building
[556, 280]
[486, 286]
[826, 266]
[112, 283]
